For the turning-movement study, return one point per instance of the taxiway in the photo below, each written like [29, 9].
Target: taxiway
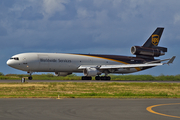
[87, 109]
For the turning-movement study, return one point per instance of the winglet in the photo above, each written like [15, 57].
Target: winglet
[171, 60]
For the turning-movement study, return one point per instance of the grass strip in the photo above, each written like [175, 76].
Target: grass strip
[89, 90]
[75, 77]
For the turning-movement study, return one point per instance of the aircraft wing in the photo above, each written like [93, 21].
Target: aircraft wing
[87, 66]
[149, 64]
[129, 66]
[120, 66]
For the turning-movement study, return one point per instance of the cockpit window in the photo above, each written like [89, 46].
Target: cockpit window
[15, 58]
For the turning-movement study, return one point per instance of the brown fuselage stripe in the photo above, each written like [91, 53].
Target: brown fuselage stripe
[110, 57]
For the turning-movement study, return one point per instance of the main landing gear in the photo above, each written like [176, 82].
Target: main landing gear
[103, 78]
[86, 78]
[97, 78]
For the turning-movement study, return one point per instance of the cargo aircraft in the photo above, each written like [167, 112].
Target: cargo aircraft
[94, 64]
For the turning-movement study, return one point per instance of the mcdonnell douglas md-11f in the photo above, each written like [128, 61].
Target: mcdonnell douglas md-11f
[93, 64]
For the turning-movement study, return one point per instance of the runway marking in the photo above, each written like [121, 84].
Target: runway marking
[150, 110]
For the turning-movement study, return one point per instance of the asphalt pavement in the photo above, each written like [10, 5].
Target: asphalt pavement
[88, 109]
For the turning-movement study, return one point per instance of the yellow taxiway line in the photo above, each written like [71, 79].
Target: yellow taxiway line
[150, 110]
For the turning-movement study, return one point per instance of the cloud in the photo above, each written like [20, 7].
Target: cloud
[30, 14]
[69, 13]
[7, 3]
[100, 26]
[50, 7]
[83, 13]
[3, 31]
[176, 18]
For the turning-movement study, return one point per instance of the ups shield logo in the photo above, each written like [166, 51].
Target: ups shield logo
[155, 39]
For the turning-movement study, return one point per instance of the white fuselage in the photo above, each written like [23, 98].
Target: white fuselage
[59, 62]
[94, 64]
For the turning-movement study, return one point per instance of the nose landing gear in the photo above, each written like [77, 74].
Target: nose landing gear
[30, 76]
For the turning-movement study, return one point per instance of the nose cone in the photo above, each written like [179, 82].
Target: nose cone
[13, 63]
[10, 63]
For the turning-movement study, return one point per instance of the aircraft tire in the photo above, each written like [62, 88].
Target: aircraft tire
[98, 78]
[83, 78]
[106, 78]
[86, 78]
[103, 78]
[30, 78]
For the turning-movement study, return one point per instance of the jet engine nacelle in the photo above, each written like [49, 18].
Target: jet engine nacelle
[153, 52]
[62, 73]
[91, 72]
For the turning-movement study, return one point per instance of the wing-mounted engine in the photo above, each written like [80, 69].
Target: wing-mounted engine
[155, 51]
[62, 73]
[91, 72]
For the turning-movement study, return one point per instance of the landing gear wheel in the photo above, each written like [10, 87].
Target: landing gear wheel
[98, 78]
[86, 78]
[30, 78]
[108, 78]
[105, 78]
[89, 78]
[30, 75]
[82, 78]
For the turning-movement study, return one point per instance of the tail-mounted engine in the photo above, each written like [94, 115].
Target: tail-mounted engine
[148, 52]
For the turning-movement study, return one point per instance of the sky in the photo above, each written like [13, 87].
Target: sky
[88, 26]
